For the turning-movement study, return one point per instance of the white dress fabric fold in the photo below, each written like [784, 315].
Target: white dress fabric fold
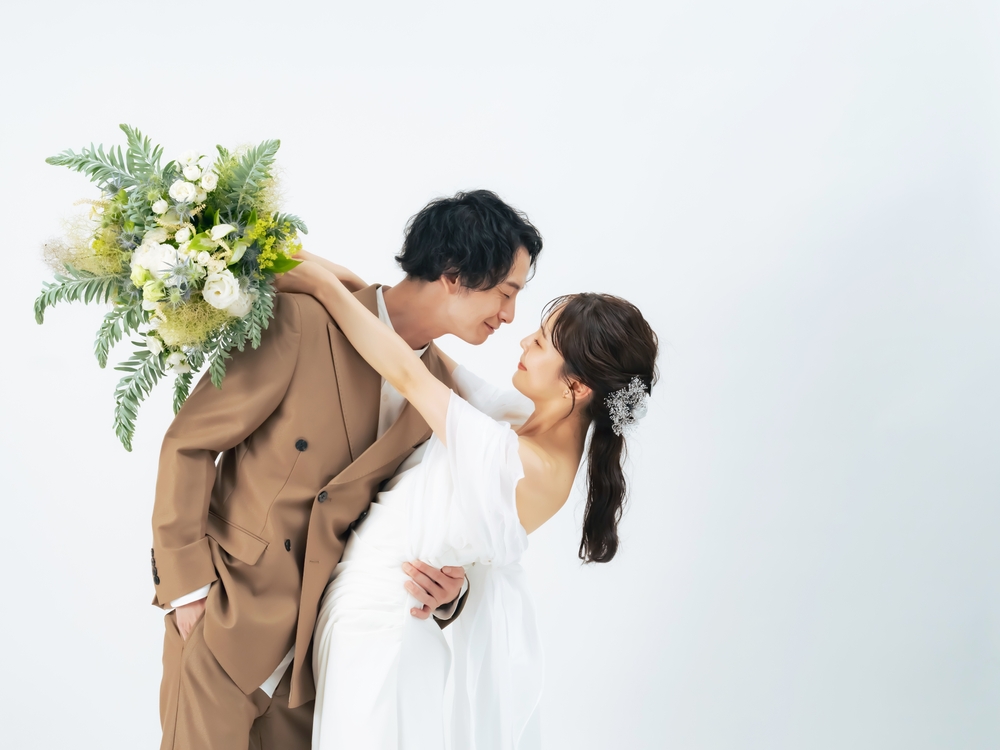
[388, 681]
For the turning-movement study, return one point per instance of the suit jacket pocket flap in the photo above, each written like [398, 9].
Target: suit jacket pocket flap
[238, 542]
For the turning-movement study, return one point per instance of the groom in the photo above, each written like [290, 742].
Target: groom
[243, 547]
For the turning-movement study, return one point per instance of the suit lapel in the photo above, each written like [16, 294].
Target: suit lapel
[407, 432]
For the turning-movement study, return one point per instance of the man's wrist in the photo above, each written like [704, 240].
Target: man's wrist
[447, 611]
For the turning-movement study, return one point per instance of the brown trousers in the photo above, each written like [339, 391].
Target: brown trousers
[201, 708]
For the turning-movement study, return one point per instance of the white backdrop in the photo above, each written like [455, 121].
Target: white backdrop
[800, 196]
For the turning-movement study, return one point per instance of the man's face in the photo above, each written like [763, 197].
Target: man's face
[474, 315]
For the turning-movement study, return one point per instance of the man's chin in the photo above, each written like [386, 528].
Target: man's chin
[477, 337]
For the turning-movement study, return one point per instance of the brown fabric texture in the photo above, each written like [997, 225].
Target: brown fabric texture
[295, 423]
[201, 708]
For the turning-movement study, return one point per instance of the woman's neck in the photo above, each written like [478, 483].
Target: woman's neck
[554, 430]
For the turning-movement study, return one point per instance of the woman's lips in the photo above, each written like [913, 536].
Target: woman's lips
[521, 367]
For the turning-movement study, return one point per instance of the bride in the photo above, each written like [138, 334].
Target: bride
[500, 464]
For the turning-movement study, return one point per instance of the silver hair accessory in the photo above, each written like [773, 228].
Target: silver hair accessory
[627, 406]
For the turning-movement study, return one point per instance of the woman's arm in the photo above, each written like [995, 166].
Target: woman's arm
[348, 278]
[381, 347]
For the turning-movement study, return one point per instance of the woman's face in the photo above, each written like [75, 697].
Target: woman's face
[539, 374]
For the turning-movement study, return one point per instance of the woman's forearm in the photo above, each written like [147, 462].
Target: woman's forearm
[347, 277]
[388, 354]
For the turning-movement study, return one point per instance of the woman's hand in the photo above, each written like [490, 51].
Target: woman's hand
[305, 278]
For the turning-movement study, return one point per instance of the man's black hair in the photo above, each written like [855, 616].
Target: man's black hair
[473, 235]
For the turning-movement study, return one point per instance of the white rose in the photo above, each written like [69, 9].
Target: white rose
[216, 266]
[144, 255]
[192, 173]
[241, 306]
[177, 363]
[221, 289]
[154, 344]
[158, 259]
[205, 162]
[160, 207]
[183, 234]
[155, 235]
[188, 158]
[209, 181]
[221, 230]
[183, 192]
[204, 258]
[200, 196]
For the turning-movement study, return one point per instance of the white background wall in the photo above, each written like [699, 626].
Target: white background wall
[801, 197]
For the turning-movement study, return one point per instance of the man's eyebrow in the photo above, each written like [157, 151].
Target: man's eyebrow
[514, 284]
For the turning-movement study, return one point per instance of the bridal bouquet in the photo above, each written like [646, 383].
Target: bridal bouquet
[185, 253]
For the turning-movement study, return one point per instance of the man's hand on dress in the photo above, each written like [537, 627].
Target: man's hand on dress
[187, 616]
[432, 587]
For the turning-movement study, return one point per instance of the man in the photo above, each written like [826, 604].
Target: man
[243, 550]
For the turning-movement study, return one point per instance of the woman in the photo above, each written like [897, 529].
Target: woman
[498, 466]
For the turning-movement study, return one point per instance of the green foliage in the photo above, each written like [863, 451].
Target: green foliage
[182, 387]
[142, 158]
[260, 314]
[117, 323]
[282, 264]
[75, 286]
[246, 180]
[109, 170]
[144, 370]
[294, 221]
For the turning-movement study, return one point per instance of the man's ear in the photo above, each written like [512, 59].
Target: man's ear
[452, 283]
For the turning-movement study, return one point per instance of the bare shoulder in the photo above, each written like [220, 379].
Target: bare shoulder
[545, 487]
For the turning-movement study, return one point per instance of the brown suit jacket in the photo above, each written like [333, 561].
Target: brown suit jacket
[295, 422]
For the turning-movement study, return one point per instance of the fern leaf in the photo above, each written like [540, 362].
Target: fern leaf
[142, 158]
[293, 220]
[77, 285]
[144, 370]
[108, 170]
[117, 323]
[250, 172]
[182, 387]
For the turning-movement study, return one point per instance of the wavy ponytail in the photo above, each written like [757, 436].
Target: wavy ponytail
[605, 342]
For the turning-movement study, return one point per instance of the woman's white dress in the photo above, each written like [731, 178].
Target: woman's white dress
[388, 681]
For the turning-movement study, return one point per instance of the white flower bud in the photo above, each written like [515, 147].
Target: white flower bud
[177, 363]
[188, 158]
[160, 207]
[221, 230]
[204, 258]
[183, 234]
[209, 181]
[192, 173]
[154, 344]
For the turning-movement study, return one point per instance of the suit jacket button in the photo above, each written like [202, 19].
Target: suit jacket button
[288, 545]
[363, 515]
[156, 580]
[301, 445]
[322, 496]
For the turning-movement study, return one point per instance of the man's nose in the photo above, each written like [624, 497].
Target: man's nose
[506, 314]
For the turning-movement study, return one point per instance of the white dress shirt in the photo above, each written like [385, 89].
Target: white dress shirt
[390, 407]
